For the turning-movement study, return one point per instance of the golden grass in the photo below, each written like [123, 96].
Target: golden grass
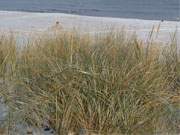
[106, 84]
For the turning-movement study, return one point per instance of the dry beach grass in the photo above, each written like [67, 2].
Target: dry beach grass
[102, 84]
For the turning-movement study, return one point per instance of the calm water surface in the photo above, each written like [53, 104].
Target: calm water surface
[143, 9]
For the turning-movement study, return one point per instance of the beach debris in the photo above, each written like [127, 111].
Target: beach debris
[46, 124]
[47, 128]
[56, 27]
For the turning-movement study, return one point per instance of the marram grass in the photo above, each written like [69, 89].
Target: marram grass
[103, 84]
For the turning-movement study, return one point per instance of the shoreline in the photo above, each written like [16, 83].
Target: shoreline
[110, 17]
[28, 22]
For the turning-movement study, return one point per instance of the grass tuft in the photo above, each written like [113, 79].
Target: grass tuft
[103, 84]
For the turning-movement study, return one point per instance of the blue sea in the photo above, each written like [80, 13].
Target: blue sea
[142, 9]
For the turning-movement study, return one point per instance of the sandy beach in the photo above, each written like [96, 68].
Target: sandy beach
[26, 23]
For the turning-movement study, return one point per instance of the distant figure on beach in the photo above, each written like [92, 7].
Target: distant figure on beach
[56, 27]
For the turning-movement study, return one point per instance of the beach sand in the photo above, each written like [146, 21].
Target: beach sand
[25, 23]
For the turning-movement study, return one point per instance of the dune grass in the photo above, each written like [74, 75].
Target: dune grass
[103, 84]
